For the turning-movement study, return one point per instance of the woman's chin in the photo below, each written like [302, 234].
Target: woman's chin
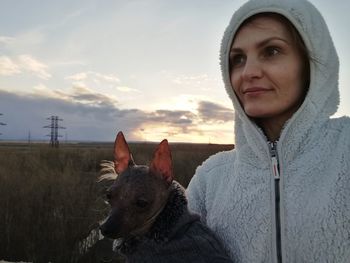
[256, 113]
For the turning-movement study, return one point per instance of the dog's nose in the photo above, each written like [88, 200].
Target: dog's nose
[107, 230]
[111, 227]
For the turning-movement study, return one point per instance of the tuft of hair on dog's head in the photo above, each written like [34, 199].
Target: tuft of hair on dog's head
[107, 172]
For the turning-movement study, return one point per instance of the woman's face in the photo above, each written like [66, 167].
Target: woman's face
[267, 70]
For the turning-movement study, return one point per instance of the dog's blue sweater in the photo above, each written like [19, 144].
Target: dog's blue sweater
[235, 192]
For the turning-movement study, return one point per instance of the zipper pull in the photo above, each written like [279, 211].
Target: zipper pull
[276, 173]
[274, 160]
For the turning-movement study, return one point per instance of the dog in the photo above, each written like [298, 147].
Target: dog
[149, 213]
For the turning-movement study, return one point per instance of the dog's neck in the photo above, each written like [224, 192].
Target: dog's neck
[173, 210]
[163, 225]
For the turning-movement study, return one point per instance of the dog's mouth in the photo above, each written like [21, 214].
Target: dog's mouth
[110, 229]
[109, 233]
[114, 230]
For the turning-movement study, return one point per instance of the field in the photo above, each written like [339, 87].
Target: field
[50, 201]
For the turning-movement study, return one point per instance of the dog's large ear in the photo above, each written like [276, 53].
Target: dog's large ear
[122, 156]
[161, 163]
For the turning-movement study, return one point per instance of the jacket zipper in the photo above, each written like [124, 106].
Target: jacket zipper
[276, 175]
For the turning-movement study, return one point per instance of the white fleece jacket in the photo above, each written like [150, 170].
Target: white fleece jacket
[235, 191]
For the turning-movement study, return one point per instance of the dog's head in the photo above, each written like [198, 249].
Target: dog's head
[139, 192]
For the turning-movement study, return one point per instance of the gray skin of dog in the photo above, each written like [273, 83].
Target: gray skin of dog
[149, 213]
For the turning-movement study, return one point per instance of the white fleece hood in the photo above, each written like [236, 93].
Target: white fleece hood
[322, 99]
[311, 26]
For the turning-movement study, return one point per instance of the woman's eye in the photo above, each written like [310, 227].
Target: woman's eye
[271, 51]
[237, 60]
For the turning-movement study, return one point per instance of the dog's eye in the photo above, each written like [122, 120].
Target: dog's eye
[142, 203]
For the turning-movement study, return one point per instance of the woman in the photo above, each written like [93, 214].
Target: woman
[283, 194]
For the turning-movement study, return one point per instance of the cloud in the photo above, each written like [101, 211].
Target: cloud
[8, 67]
[41, 89]
[106, 77]
[78, 77]
[106, 83]
[92, 116]
[29, 63]
[94, 76]
[11, 66]
[200, 81]
[172, 117]
[88, 96]
[96, 122]
[127, 89]
[197, 79]
[92, 121]
[213, 112]
[64, 63]
[77, 94]
[6, 40]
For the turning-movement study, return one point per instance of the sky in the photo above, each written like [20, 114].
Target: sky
[149, 68]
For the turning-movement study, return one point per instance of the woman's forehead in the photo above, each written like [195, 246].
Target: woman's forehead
[261, 27]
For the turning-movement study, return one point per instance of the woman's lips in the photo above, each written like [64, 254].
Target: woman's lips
[255, 91]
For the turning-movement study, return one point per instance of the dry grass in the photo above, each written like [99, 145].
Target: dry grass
[50, 201]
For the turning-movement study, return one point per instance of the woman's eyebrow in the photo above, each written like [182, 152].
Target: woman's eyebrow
[236, 50]
[260, 44]
[267, 40]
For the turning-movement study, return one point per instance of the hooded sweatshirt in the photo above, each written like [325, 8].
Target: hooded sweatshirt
[302, 215]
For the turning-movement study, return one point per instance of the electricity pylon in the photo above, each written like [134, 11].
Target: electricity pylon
[54, 130]
[2, 123]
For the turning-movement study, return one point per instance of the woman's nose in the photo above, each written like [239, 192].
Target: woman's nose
[252, 69]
